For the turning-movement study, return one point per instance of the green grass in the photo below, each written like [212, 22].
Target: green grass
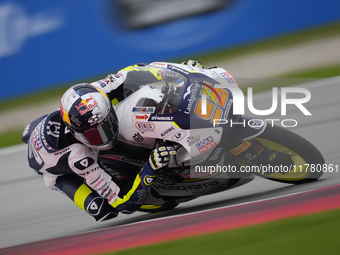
[295, 78]
[312, 234]
[323, 72]
[10, 138]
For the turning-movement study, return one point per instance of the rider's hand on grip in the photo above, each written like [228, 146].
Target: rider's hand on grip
[160, 157]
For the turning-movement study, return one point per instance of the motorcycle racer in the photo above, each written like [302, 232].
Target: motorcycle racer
[63, 148]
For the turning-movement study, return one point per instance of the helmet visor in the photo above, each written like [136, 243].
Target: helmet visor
[102, 137]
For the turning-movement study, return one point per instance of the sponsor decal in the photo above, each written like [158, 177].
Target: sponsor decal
[53, 128]
[217, 152]
[206, 144]
[104, 190]
[192, 98]
[95, 181]
[206, 91]
[249, 156]
[148, 179]
[272, 156]
[26, 130]
[42, 136]
[90, 171]
[106, 81]
[86, 105]
[36, 138]
[168, 131]
[145, 126]
[84, 163]
[161, 118]
[138, 138]
[99, 183]
[228, 77]
[66, 130]
[93, 207]
[191, 188]
[109, 79]
[241, 148]
[76, 120]
[102, 84]
[79, 93]
[143, 109]
[112, 196]
[206, 88]
[61, 152]
[158, 64]
[142, 117]
[179, 136]
[95, 118]
[177, 69]
[165, 180]
[193, 139]
[258, 148]
[209, 86]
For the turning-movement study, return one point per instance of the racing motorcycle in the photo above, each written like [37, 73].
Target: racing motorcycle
[181, 106]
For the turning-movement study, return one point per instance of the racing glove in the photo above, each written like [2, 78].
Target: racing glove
[159, 158]
[193, 63]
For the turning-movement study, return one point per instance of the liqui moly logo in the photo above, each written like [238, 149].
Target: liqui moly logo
[206, 144]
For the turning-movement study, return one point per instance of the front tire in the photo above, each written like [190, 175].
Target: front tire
[308, 160]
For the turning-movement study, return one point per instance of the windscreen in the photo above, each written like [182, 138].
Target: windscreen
[168, 84]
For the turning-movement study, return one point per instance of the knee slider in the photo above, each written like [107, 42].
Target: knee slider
[100, 209]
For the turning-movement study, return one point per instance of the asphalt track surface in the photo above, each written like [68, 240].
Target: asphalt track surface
[30, 212]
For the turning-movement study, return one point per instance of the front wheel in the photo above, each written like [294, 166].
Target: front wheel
[308, 163]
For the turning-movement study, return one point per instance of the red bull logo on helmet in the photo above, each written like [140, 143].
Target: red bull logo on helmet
[86, 105]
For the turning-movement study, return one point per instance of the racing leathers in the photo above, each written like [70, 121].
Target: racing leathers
[72, 168]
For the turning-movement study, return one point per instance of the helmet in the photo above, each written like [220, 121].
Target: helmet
[193, 63]
[90, 117]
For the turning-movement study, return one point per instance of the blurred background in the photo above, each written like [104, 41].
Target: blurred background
[46, 46]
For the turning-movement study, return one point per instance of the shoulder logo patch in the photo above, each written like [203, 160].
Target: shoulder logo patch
[83, 163]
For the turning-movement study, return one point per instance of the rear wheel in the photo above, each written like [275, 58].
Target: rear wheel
[308, 163]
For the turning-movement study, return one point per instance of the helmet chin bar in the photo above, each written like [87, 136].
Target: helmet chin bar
[107, 146]
[101, 147]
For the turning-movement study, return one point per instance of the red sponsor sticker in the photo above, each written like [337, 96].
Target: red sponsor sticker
[142, 117]
[86, 105]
